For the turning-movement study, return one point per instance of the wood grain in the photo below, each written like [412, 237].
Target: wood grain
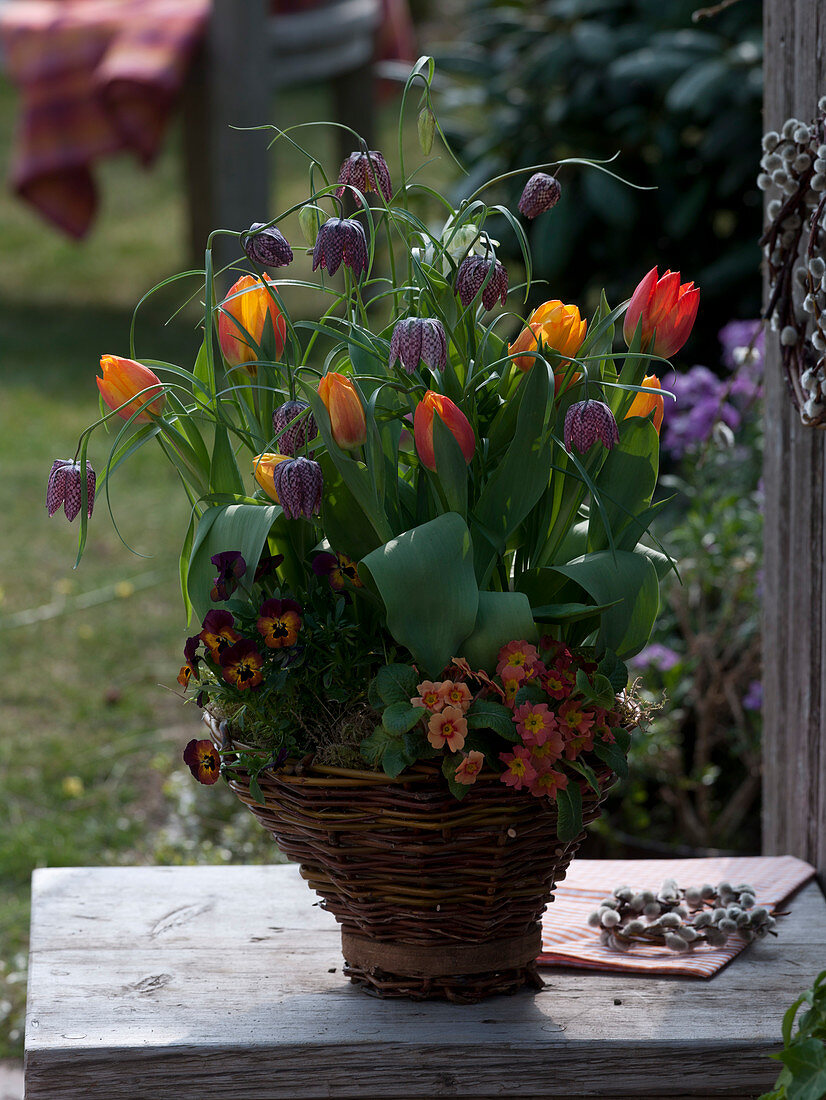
[226, 982]
[794, 606]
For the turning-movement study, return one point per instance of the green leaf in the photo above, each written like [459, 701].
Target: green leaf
[396, 684]
[501, 617]
[242, 527]
[373, 697]
[569, 612]
[598, 691]
[625, 483]
[395, 759]
[569, 811]
[587, 772]
[345, 522]
[613, 668]
[224, 475]
[400, 717]
[372, 747]
[451, 468]
[486, 714]
[425, 578]
[613, 756]
[807, 1061]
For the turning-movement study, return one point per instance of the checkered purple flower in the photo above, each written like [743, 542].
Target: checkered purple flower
[471, 276]
[341, 240]
[587, 422]
[266, 245]
[301, 433]
[541, 193]
[64, 488]
[298, 483]
[418, 338]
[366, 172]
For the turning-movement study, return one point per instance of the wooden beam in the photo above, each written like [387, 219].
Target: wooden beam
[794, 612]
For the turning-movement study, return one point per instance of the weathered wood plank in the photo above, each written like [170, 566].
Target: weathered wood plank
[227, 982]
[794, 615]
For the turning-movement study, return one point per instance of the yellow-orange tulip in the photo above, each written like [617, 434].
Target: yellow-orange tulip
[243, 311]
[552, 325]
[127, 385]
[644, 403]
[347, 420]
[262, 469]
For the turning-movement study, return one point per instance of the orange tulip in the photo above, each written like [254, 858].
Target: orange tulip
[552, 325]
[451, 416]
[347, 421]
[127, 385]
[644, 403]
[262, 469]
[667, 309]
[241, 321]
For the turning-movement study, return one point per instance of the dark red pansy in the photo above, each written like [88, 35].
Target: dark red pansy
[242, 665]
[231, 568]
[279, 622]
[267, 565]
[218, 632]
[203, 760]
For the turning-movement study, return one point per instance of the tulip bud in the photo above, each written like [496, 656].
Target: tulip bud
[552, 325]
[263, 469]
[541, 193]
[667, 311]
[472, 274]
[64, 488]
[341, 240]
[241, 320]
[418, 338]
[452, 417]
[589, 421]
[301, 433]
[366, 172]
[310, 221]
[645, 403]
[126, 386]
[266, 245]
[298, 483]
[426, 126]
[347, 420]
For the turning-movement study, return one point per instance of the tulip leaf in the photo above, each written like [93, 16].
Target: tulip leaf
[224, 475]
[625, 484]
[502, 617]
[344, 521]
[242, 527]
[569, 612]
[451, 468]
[425, 578]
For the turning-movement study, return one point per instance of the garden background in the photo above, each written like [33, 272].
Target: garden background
[92, 724]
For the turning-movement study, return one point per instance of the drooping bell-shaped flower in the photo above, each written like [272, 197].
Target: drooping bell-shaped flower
[64, 488]
[341, 241]
[266, 245]
[471, 276]
[299, 434]
[366, 172]
[418, 338]
[589, 421]
[298, 483]
[541, 193]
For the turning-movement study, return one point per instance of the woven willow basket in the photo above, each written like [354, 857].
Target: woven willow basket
[436, 897]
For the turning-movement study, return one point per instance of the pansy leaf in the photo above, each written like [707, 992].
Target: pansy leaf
[487, 714]
[425, 578]
[569, 812]
[501, 617]
[398, 718]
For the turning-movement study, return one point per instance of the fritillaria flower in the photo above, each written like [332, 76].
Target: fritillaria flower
[540, 194]
[472, 274]
[366, 172]
[203, 760]
[418, 338]
[589, 421]
[64, 488]
[218, 632]
[242, 664]
[266, 245]
[298, 483]
[300, 433]
[667, 309]
[279, 622]
[341, 241]
[231, 568]
[646, 403]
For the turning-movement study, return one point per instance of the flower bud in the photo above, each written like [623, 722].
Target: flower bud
[541, 193]
[263, 468]
[471, 276]
[266, 245]
[300, 434]
[64, 488]
[418, 338]
[426, 127]
[241, 320]
[589, 421]
[646, 403]
[552, 325]
[298, 483]
[310, 221]
[347, 420]
[126, 386]
[452, 417]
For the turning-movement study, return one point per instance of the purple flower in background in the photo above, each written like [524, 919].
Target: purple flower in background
[753, 699]
[656, 656]
[744, 344]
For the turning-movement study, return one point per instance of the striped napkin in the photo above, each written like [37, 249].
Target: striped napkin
[567, 940]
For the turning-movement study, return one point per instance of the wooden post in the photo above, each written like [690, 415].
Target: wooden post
[794, 616]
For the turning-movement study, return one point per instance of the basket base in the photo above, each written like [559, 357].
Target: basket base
[461, 973]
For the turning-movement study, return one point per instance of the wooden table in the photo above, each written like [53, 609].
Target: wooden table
[211, 983]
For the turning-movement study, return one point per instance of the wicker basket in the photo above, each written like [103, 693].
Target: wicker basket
[436, 897]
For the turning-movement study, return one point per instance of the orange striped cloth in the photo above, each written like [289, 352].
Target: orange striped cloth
[95, 77]
[567, 940]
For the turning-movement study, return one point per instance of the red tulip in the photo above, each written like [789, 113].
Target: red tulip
[241, 320]
[127, 385]
[451, 416]
[347, 420]
[667, 309]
